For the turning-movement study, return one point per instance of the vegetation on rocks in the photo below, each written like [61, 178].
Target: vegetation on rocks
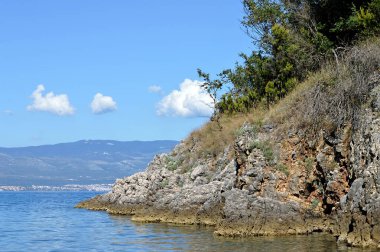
[293, 147]
[270, 172]
[293, 38]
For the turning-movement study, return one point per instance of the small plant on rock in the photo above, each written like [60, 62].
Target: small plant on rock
[164, 183]
[309, 163]
[314, 203]
[266, 148]
[172, 164]
[282, 168]
[251, 129]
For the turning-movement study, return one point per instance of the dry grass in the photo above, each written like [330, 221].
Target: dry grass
[328, 99]
[281, 113]
[334, 96]
[212, 138]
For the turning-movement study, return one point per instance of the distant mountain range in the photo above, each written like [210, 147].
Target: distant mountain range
[82, 162]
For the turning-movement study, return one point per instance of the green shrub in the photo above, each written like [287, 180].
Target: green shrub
[164, 183]
[266, 148]
[282, 168]
[252, 130]
[332, 165]
[314, 203]
[180, 183]
[309, 163]
[172, 164]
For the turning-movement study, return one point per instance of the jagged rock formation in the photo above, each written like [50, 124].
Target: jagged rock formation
[263, 184]
[358, 217]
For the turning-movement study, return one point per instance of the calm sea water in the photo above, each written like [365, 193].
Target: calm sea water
[48, 221]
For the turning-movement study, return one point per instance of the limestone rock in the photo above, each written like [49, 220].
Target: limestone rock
[332, 183]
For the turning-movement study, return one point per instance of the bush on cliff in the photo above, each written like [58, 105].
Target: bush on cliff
[329, 98]
[292, 39]
[333, 96]
[322, 89]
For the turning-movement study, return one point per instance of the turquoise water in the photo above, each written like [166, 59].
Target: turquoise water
[48, 221]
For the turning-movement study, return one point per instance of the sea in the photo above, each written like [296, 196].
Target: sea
[48, 221]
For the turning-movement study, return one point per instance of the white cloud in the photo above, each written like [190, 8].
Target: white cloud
[56, 104]
[190, 100]
[102, 104]
[155, 89]
[8, 112]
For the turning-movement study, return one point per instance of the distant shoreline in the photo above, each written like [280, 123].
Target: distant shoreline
[70, 187]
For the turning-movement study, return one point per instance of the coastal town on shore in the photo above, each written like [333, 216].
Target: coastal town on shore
[70, 187]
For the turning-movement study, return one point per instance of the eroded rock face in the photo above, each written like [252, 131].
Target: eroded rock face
[359, 214]
[241, 196]
[293, 186]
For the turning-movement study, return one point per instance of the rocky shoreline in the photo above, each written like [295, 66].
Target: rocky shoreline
[294, 187]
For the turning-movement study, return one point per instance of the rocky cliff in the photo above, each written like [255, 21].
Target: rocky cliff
[267, 181]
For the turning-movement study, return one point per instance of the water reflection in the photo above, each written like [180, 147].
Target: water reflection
[31, 221]
[164, 237]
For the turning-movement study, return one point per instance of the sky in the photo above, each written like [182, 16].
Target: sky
[117, 70]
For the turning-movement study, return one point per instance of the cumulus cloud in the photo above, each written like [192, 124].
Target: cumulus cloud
[56, 104]
[102, 104]
[155, 89]
[189, 101]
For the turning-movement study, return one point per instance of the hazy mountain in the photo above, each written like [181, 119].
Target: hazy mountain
[82, 162]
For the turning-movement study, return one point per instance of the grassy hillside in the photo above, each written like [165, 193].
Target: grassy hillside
[327, 100]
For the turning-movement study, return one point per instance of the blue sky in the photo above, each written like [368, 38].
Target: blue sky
[132, 55]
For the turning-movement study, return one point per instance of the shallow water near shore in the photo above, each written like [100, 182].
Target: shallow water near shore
[48, 221]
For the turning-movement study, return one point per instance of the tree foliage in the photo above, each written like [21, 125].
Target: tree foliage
[292, 37]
